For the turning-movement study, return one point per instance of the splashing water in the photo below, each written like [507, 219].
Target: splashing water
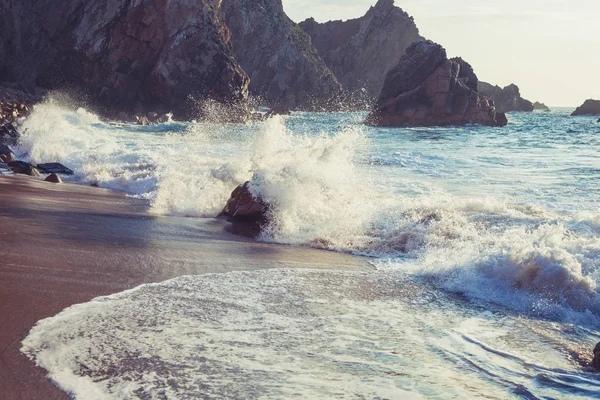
[509, 218]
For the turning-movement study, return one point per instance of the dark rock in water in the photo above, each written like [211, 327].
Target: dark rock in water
[248, 213]
[506, 99]
[599, 120]
[537, 106]
[125, 55]
[501, 119]
[428, 89]
[361, 51]
[6, 154]
[589, 107]
[54, 168]
[53, 178]
[283, 65]
[21, 167]
[596, 360]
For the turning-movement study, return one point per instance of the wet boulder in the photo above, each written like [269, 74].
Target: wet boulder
[53, 178]
[6, 154]
[54, 168]
[21, 167]
[247, 212]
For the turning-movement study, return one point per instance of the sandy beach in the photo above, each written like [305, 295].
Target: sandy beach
[66, 244]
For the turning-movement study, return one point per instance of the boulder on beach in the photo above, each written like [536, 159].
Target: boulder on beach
[54, 168]
[589, 107]
[428, 89]
[53, 178]
[24, 168]
[247, 212]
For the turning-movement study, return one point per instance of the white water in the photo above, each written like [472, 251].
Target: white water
[508, 218]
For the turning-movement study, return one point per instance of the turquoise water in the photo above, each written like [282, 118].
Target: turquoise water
[484, 244]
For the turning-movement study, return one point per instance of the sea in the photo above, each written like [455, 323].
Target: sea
[484, 245]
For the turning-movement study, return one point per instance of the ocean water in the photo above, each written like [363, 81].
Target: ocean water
[485, 246]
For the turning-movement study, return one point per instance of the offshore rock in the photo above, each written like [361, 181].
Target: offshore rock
[284, 67]
[248, 213]
[537, 106]
[507, 99]
[428, 89]
[124, 55]
[361, 51]
[589, 107]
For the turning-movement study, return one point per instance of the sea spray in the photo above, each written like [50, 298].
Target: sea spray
[399, 196]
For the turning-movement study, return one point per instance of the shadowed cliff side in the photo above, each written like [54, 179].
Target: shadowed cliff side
[284, 67]
[124, 55]
[361, 51]
[428, 89]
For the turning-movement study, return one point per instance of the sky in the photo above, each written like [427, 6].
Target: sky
[549, 48]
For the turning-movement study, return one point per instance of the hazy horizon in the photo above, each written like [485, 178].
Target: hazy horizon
[548, 48]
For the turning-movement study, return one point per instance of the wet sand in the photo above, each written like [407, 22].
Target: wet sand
[66, 244]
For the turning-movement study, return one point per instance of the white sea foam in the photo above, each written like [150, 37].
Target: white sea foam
[297, 333]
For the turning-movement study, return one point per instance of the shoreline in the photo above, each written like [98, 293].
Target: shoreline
[67, 244]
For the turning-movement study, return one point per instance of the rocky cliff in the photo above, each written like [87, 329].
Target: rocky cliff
[589, 107]
[284, 67]
[428, 89]
[506, 99]
[124, 54]
[361, 51]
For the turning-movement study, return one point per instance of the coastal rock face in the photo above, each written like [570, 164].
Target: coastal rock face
[246, 211]
[143, 55]
[361, 51]
[283, 65]
[15, 106]
[428, 89]
[590, 107]
[506, 99]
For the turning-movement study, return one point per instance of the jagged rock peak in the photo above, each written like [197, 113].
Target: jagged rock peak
[360, 51]
[284, 67]
[428, 89]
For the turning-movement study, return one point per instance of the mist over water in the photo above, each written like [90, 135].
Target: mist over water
[507, 219]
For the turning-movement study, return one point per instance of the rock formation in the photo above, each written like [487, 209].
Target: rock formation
[428, 89]
[248, 213]
[596, 360]
[537, 106]
[15, 106]
[132, 55]
[507, 99]
[284, 67]
[361, 51]
[589, 107]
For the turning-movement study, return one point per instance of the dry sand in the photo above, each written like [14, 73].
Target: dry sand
[66, 244]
